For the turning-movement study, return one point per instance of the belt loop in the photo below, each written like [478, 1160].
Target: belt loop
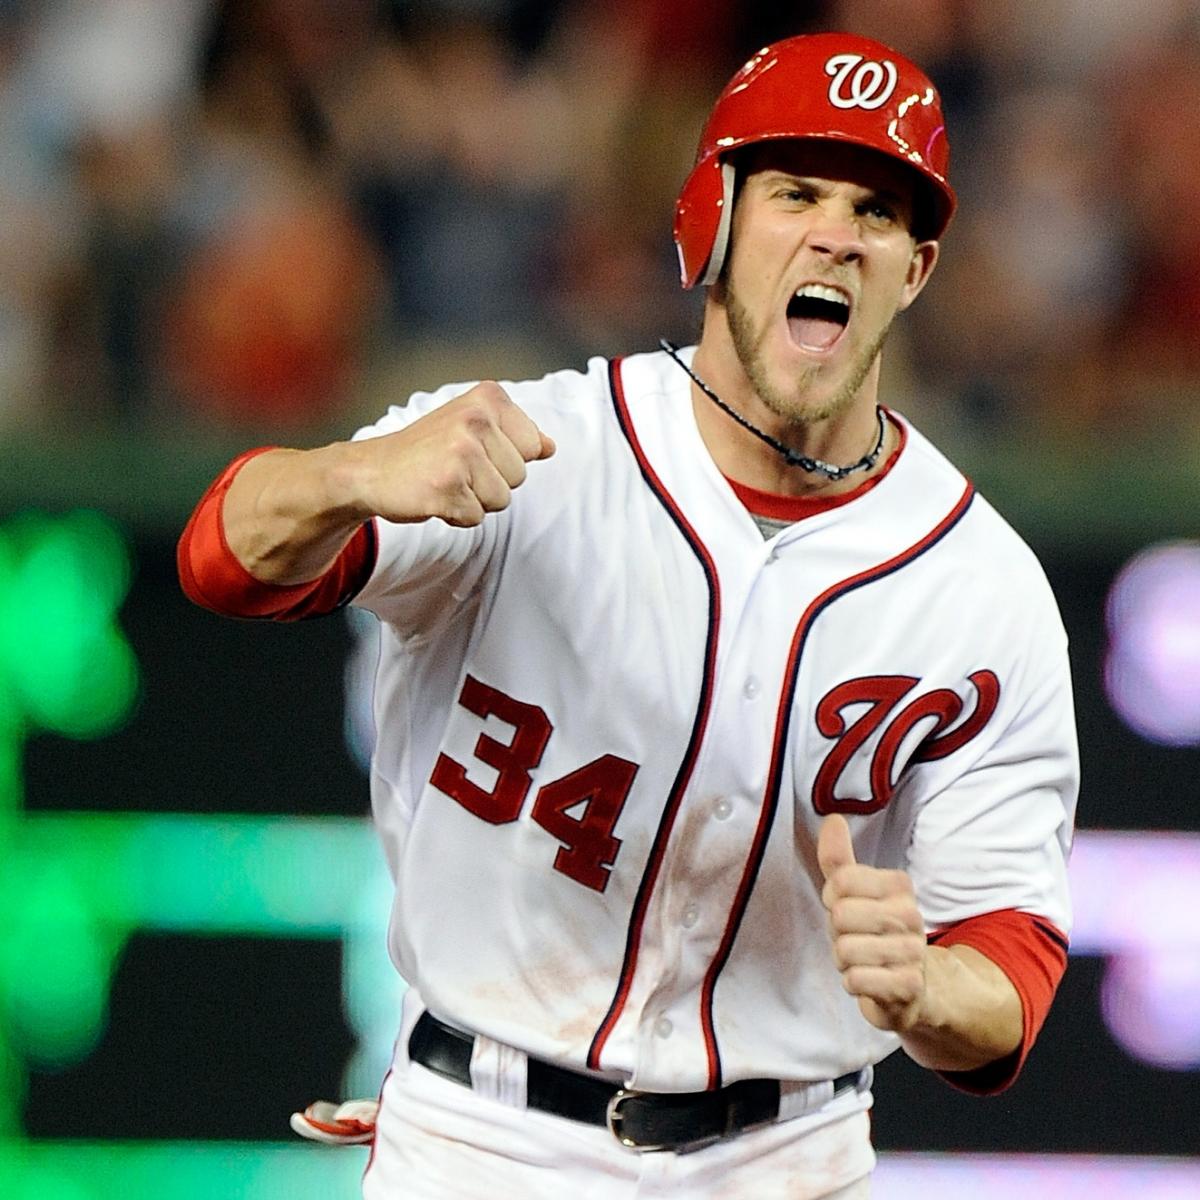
[499, 1072]
[796, 1099]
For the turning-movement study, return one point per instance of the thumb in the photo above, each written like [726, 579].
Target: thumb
[546, 449]
[834, 847]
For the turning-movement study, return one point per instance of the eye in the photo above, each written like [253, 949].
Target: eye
[879, 210]
[796, 194]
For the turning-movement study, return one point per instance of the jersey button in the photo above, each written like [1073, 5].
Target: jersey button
[663, 1027]
[691, 915]
[723, 809]
[751, 687]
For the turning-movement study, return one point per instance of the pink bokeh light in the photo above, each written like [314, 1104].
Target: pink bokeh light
[1147, 930]
[1152, 668]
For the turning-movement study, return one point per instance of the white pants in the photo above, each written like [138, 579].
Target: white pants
[439, 1140]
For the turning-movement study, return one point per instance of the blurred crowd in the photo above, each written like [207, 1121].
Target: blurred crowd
[273, 217]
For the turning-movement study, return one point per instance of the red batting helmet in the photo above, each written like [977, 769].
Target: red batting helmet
[832, 86]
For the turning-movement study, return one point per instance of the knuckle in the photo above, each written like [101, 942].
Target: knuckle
[459, 507]
[841, 955]
[462, 444]
[476, 421]
[490, 395]
[451, 479]
[525, 425]
[856, 981]
[496, 497]
[523, 432]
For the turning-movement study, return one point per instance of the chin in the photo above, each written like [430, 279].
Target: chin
[797, 406]
[828, 386]
[809, 392]
[799, 386]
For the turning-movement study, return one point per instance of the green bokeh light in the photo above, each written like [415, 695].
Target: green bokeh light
[64, 664]
[77, 884]
[177, 1171]
[74, 886]
[12, 1086]
[66, 668]
[55, 966]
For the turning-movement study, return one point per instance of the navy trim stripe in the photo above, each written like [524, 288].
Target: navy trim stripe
[704, 705]
[783, 718]
[1052, 934]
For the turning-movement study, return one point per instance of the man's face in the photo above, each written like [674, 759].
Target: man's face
[821, 260]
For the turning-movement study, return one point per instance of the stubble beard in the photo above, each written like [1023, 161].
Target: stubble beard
[791, 405]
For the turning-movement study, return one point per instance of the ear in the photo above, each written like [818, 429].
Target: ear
[920, 267]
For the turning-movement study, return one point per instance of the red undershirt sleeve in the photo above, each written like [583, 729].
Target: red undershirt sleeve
[212, 577]
[1033, 954]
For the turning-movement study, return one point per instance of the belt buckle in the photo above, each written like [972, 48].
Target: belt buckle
[615, 1119]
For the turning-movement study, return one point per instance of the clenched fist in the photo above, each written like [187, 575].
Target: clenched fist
[878, 935]
[288, 513]
[458, 462]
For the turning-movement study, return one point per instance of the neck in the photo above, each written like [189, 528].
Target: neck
[842, 438]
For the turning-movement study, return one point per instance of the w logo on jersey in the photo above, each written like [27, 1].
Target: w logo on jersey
[858, 83]
[883, 695]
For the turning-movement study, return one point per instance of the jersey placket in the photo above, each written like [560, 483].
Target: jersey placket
[707, 855]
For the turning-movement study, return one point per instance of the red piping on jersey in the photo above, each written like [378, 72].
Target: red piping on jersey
[775, 774]
[684, 774]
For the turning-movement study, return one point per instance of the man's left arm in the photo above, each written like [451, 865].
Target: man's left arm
[953, 1007]
[968, 1000]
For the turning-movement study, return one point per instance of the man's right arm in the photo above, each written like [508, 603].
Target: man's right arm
[288, 514]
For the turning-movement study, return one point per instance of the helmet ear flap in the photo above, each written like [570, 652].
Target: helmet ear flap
[716, 260]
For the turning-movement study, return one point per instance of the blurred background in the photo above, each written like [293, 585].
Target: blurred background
[235, 222]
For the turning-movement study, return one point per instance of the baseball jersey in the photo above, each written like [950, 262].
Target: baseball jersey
[611, 718]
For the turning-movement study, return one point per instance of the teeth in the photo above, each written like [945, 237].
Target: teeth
[819, 291]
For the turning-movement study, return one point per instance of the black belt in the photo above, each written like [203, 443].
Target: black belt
[641, 1120]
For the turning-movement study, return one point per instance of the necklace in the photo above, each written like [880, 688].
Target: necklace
[813, 465]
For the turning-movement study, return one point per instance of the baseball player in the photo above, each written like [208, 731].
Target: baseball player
[725, 735]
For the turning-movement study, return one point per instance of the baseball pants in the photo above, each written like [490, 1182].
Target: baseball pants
[439, 1140]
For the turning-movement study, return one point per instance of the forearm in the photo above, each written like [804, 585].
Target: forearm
[288, 513]
[969, 1013]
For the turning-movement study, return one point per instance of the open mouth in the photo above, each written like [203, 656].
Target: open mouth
[817, 315]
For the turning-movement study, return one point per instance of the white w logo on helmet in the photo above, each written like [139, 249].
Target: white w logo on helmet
[859, 84]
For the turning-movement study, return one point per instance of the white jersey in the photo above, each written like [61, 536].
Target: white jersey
[611, 718]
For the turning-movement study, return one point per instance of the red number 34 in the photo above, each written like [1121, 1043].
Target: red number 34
[596, 791]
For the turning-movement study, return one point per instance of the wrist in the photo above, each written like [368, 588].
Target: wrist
[932, 1014]
[346, 479]
[969, 1013]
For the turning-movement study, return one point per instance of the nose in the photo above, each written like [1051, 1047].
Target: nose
[836, 236]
